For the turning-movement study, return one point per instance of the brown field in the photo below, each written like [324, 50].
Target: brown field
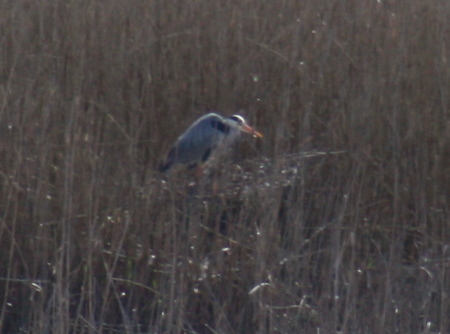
[336, 221]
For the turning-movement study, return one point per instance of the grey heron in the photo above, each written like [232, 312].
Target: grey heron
[206, 137]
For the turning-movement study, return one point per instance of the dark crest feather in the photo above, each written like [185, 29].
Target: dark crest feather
[219, 125]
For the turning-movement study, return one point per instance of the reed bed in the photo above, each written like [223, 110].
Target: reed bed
[336, 221]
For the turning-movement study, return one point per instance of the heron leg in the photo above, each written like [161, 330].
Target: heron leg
[215, 185]
[198, 173]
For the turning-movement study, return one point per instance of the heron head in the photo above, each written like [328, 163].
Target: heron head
[238, 122]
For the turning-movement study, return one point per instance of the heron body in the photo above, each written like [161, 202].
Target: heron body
[206, 137]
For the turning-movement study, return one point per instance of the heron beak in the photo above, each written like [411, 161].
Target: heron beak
[250, 130]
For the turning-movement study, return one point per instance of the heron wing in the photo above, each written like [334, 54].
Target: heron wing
[197, 143]
[170, 160]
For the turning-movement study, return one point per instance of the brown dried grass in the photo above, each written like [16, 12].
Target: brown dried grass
[356, 240]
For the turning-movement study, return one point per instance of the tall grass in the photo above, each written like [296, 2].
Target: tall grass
[337, 221]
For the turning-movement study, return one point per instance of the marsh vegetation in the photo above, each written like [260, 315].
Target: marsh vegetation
[336, 221]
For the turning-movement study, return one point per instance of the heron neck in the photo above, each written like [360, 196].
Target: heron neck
[221, 126]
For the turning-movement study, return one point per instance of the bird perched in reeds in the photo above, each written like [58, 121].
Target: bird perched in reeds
[206, 137]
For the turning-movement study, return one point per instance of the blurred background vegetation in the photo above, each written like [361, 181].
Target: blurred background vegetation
[336, 221]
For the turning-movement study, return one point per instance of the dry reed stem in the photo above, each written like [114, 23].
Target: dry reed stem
[337, 221]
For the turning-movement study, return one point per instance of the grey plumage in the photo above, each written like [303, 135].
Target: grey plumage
[205, 137]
